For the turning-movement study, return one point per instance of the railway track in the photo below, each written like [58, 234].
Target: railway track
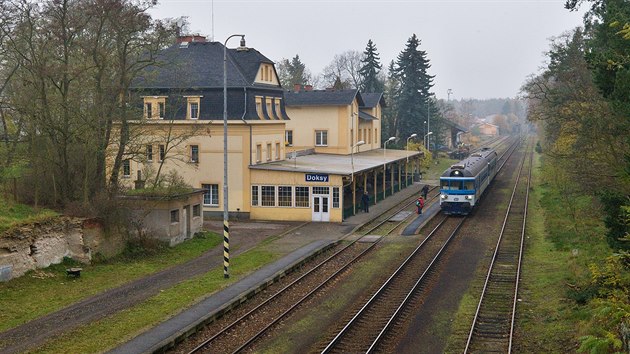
[237, 336]
[376, 318]
[243, 332]
[493, 324]
[364, 331]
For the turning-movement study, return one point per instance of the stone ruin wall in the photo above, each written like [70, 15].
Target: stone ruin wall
[39, 245]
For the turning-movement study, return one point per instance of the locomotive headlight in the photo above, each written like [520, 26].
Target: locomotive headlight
[444, 196]
[469, 197]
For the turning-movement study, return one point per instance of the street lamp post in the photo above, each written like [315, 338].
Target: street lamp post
[359, 143]
[226, 225]
[385, 149]
[427, 135]
[407, 146]
[407, 164]
[428, 127]
[385, 162]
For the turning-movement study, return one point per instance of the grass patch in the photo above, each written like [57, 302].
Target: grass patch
[438, 167]
[557, 256]
[114, 330]
[47, 290]
[14, 214]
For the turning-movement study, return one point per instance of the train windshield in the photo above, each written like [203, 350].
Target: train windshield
[469, 185]
[451, 184]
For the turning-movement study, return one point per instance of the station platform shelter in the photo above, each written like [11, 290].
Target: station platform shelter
[328, 187]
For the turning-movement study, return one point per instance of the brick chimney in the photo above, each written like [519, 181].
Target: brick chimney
[191, 38]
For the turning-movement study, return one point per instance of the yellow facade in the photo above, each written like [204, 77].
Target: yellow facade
[341, 123]
[207, 137]
[294, 212]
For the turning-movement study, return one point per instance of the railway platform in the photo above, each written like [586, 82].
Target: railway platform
[297, 245]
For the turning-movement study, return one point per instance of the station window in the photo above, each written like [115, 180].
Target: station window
[277, 151]
[174, 215]
[321, 190]
[335, 198]
[148, 109]
[211, 195]
[258, 153]
[162, 152]
[126, 167]
[194, 153]
[161, 110]
[285, 196]
[269, 152]
[302, 197]
[149, 153]
[254, 195]
[288, 137]
[321, 138]
[268, 194]
[193, 107]
[196, 210]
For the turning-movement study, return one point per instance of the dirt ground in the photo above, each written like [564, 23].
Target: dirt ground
[243, 236]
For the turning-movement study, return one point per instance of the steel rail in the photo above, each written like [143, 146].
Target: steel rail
[385, 285]
[296, 281]
[495, 255]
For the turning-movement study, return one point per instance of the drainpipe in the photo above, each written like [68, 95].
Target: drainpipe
[244, 121]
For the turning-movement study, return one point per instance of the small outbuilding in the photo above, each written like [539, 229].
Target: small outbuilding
[172, 217]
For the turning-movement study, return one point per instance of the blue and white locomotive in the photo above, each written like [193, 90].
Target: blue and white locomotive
[463, 183]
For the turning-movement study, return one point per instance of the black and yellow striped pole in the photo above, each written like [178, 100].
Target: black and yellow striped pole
[226, 224]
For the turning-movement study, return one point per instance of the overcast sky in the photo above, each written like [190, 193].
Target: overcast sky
[479, 49]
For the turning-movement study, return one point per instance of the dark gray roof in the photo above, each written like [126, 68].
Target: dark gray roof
[200, 65]
[366, 116]
[372, 99]
[322, 97]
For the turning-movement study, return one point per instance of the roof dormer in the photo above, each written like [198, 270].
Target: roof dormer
[267, 75]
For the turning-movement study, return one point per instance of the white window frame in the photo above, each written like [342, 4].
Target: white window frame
[194, 150]
[321, 138]
[288, 137]
[126, 168]
[211, 194]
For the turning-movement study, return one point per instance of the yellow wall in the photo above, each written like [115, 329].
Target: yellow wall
[209, 169]
[342, 124]
[284, 178]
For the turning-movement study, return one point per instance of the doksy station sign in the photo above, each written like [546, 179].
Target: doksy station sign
[316, 177]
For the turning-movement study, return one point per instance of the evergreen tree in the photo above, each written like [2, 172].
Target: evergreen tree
[414, 104]
[370, 69]
[390, 111]
[292, 72]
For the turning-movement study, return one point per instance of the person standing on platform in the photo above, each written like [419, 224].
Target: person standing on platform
[365, 200]
[420, 205]
[425, 191]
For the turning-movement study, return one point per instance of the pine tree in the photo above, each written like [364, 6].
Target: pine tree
[414, 97]
[390, 111]
[292, 72]
[370, 70]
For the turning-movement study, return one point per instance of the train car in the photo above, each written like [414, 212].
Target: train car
[463, 183]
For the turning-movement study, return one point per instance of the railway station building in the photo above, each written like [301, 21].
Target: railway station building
[296, 155]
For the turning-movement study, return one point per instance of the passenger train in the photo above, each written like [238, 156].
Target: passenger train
[463, 183]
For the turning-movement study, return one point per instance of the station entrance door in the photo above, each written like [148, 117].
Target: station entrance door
[321, 204]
